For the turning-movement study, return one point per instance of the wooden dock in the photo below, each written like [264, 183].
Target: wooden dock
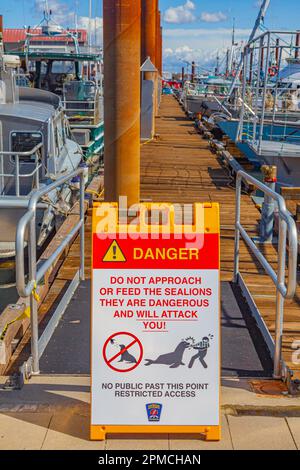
[180, 167]
[52, 289]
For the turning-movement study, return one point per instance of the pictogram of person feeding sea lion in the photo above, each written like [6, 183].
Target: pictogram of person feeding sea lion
[174, 358]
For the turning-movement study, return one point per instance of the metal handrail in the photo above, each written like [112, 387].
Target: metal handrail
[28, 153]
[23, 175]
[28, 224]
[88, 113]
[80, 101]
[247, 107]
[222, 106]
[287, 228]
[269, 97]
[17, 175]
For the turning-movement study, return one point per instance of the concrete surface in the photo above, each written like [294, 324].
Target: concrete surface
[53, 413]
[260, 433]
[294, 426]
[69, 430]
[48, 393]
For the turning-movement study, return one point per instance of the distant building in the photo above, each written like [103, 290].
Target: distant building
[14, 40]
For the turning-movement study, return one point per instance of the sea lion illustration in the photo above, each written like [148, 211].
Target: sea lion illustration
[125, 356]
[173, 359]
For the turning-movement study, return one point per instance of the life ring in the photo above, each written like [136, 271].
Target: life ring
[273, 70]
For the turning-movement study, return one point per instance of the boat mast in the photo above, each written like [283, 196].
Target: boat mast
[227, 62]
[233, 45]
[260, 19]
[90, 25]
[217, 69]
[90, 37]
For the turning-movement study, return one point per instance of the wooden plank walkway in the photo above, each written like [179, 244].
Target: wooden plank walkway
[179, 167]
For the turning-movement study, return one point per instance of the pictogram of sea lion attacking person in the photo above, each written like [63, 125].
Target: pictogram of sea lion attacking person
[174, 359]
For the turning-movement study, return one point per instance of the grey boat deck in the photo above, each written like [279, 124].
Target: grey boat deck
[278, 149]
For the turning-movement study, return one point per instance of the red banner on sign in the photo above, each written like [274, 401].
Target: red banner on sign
[160, 253]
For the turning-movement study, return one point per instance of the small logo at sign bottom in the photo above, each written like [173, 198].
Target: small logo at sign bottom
[154, 412]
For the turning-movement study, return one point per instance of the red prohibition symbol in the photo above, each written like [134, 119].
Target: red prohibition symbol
[124, 353]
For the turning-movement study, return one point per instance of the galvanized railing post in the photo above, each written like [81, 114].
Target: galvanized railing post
[28, 221]
[237, 228]
[280, 299]
[264, 96]
[268, 214]
[82, 234]
[284, 290]
[37, 176]
[33, 303]
[17, 175]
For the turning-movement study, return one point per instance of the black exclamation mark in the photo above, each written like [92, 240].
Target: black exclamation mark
[115, 252]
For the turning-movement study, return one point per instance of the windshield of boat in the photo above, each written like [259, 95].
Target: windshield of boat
[79, 90]
[208, 88]
[25, 142]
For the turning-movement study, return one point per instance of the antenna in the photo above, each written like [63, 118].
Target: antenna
[233, 33]
[47, 12]
[233, 43]
[90, 24]
[259, 20]
[76, 16]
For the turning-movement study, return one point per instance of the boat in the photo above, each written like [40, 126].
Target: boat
[74, 75]
[36, 148]
[197, 95]
[269, 122]
[262, 113]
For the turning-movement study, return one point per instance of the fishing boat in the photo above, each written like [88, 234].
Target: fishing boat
[74, 75]
[269, 122]
[36, 148]
[196, 95]
[262, 113]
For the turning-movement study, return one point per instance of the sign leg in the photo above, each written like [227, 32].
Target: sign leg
[98, 433]
[213, 433]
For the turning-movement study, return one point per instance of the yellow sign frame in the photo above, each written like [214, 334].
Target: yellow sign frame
[211, 224]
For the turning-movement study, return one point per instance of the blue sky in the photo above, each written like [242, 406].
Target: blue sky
[193, 29]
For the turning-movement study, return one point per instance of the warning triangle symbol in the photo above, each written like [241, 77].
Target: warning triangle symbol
[114, 254]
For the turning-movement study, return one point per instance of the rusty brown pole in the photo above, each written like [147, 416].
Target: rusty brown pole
[1, 33]
[149, 12]
[161, 50]
[297, 53]
[158, 42]
[122, 56]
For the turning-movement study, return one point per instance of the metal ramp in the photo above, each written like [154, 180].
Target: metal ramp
[244, 353]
